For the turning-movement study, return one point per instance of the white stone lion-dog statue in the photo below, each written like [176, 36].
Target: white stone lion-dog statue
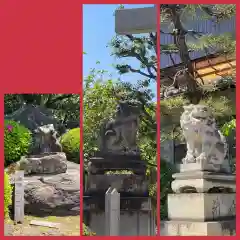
[205, 143]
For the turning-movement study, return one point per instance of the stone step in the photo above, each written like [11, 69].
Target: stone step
[190, 228]
[99, 165]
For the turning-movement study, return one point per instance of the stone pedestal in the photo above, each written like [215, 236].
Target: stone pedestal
[203, 203]
[136, 214]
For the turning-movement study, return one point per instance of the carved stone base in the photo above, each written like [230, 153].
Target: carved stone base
[190, 228]
[203, 181]
[124, 183]
[201, 206]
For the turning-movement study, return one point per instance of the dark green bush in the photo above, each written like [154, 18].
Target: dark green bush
[71, 145]
[166, 171]
[7, 195]
[17, 141]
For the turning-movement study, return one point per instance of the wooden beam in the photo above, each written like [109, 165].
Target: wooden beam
[135, 20]
[206, 69]
[206, 62]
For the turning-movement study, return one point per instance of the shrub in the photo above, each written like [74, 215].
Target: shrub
[71, 145]
[87, 231]
[7, 195]
[17, 141]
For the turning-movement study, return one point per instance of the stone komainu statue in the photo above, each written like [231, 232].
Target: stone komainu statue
[120, 135]
[45, 140]
[205, 143]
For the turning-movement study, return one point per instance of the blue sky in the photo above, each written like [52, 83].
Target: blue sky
[98, 30]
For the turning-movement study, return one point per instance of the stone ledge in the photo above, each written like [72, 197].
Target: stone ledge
[203, 167]
[203, 181]
[196, 174]
[103, 162]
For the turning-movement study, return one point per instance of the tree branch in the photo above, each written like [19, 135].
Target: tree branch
[140, 72]
[52, 101]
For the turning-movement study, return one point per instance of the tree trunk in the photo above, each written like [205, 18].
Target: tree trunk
[194, 93]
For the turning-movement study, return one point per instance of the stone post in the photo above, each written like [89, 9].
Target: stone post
[204, 198]
[19, 197]
[112, 212]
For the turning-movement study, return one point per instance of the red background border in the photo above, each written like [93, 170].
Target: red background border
[41, 52]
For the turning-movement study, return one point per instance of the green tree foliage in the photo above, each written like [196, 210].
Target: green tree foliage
[99, 104]
[101, 95]
[166, 171]
[229, 130]
[177, 17]
[71, 144]
[140, 48]
[66, 107]
[228, 127]
[17, 141]
[7, 195]
[87, 231]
